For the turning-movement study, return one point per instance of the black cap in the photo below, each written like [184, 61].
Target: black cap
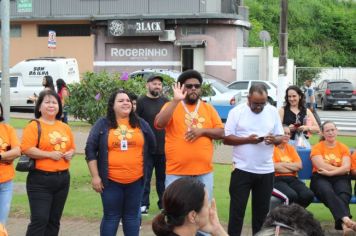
[189, 74]
[153, 77]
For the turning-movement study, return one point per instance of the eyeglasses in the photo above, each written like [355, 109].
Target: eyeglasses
[255, 105]
[190, 86]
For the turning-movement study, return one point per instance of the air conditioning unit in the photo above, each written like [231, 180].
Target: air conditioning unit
[168, 35]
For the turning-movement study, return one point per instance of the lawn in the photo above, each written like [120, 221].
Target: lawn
[83, 202]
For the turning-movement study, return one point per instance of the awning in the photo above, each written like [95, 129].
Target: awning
[191, 43]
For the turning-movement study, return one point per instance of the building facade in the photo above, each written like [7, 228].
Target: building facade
[128, 35]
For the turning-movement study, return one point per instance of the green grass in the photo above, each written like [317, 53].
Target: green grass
[83, 202]
[19, 123]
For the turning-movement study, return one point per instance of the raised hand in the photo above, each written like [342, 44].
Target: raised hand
[178, 92]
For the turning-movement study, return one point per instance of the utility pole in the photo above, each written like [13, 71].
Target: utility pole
[283, 51]
[5, 42]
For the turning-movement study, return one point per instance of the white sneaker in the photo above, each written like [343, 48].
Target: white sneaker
[144, 210]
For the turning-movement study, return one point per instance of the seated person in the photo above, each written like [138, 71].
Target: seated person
[286, 164]
[187, 211]
[290, 220]
[331, 181]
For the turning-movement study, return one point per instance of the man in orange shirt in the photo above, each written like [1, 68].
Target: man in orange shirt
[191, 125]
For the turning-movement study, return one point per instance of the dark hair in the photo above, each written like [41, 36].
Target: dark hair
[322, 138]
[295, 217]
[133, 96]
[301, 103]
[110, 114]
[182, 196]
[2, 113]
[60, 84]
[41, 96]
[49, 82]
[258, 88]
[188, 74]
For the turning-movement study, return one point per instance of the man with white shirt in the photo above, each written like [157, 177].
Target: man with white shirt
[252, 128]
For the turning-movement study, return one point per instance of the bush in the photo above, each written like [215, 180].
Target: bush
[88, 99]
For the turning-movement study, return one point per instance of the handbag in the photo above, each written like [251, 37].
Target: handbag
[25, 163]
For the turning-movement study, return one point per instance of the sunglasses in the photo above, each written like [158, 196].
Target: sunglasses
[190, 86]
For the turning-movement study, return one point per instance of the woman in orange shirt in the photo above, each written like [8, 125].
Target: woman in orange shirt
[47, 186]
[353, 168]
[331, 181]
[9, 150]
[115, 151]
[286, 164]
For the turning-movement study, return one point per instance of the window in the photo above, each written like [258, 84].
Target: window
[66, 30]
[239, 85]
[15, 31]
[192, 30]
[13, 82]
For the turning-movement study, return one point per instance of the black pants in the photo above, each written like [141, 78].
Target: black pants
[335, 193]
[47, 194]
[158, 163]
[241, 184]
[294, 189]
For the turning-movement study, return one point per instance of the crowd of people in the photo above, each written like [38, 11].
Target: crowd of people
[149, 134]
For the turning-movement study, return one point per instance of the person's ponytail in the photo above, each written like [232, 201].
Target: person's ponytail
[160, 226]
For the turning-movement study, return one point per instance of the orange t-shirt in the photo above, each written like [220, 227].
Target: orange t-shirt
[54, 137]
[288, 155]
[190, 158]
[332, 156]
[125, 166]
[8, 140]
[353, 161]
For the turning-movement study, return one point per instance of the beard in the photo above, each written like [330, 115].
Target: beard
[192, 99]
[154, 93]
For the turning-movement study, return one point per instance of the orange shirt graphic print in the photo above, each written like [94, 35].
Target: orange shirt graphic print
[194, 120]
[123, 132]
[332, 160]
[286, 159]
[3, 145]
[58, 141]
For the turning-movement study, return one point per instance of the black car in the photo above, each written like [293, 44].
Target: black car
[335, 93]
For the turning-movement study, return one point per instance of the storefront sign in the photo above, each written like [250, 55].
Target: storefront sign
[24, 5]
[135, 27]
[143, 52]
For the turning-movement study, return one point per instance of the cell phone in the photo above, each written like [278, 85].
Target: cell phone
[261, 139]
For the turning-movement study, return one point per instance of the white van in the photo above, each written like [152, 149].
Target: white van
[26, 77]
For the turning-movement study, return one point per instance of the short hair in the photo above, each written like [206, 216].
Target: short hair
[41, 96]
[189, 74]
[258, 88]
[1, 113]
[133, 97]
[295, 217]
[182, 196]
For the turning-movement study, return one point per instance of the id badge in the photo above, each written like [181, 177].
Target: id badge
[123, 145]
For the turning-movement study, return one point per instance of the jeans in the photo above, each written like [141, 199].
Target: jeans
[157, 162]
[206, 179]
[6, 189]
[241, 183]
[121, 201]
[47, 193]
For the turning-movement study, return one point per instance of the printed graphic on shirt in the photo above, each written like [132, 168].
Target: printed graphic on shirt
[286, 159]
[3, 145]
[332, 159]
[123, 132]
[193, 120]
[58, 141]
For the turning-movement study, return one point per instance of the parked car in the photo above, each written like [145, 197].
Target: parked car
[244, 86]
[335, 93]
[223, 99]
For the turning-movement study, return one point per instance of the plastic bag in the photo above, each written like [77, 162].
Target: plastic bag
[301, 141]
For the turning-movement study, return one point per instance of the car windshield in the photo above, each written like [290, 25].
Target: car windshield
[239, 85]
[220, 87]
[340, 86]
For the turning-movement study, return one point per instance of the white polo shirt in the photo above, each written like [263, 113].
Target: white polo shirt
[242, 122]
